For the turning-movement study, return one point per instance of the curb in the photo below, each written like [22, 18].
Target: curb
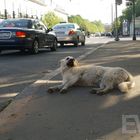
[28, 93]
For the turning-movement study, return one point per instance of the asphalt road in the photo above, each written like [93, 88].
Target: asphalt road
[19, 70]
[79, 115]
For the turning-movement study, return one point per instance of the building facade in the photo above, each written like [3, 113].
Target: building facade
[23, 8]
[30, 8]
[137, 27]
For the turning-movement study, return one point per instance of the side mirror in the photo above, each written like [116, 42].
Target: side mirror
[78, 28]
[50, 29]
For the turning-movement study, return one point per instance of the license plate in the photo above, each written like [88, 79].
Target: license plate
[5, 35]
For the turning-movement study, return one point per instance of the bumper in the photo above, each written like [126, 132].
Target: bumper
[67, 39]
[15, 44]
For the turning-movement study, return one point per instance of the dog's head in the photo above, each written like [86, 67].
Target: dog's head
[68, 62]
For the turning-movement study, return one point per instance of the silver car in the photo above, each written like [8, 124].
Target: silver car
[69, 33]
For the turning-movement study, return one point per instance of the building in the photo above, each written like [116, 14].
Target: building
[137, 26]
[30, 8]
[23, 8]
[57, 9]
[60, 12]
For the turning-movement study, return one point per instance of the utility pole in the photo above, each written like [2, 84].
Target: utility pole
[117, 2]
[116, 23]
[129, 3]
[13, 11]
[112, 13]
[134, 16]
[5, 10]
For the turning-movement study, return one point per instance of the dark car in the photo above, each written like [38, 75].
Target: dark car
[26, 34]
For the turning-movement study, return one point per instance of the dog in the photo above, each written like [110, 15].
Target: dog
[102, 79]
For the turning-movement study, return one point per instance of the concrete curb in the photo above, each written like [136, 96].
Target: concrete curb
[27, 94]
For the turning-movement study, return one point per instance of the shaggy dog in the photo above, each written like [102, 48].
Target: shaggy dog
[102, 79]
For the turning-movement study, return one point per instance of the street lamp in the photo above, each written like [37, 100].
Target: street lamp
[128, 3]
[13, 11]
[116, 22]
[117, 2]
[134, 15]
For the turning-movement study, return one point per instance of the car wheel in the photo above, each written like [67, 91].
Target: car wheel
[35, 47]
[54, 45]
[83, 43]
[76, 43]
[22, 50]
[62, 44]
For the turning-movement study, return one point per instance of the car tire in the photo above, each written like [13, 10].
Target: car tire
[35, 47]
[54, 45]
[83, 43]
[22, 50]
[62, 44]
[76, 42]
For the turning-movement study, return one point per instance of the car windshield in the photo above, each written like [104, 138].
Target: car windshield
[14, 23]
[63, 26]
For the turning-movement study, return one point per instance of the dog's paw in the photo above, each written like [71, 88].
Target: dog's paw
[93, 91]
[63, 91]
[50, 90]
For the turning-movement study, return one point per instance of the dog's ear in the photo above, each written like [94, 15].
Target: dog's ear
[70, 62]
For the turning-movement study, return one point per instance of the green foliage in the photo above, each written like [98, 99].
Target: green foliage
[138, 8]
[99, 25]
[127, 13]
[85, 24]
[50, 19]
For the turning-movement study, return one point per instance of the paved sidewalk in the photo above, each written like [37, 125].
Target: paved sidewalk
[79, 115]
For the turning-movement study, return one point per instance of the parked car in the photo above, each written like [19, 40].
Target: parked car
[97, 34]
[69, 33]
[109, 34]
[26, 34]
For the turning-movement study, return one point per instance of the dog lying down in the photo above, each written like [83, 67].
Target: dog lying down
[102, 79]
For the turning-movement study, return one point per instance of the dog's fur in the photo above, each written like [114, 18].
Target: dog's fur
[104, 78]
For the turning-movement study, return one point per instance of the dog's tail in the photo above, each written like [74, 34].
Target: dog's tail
[128, 84]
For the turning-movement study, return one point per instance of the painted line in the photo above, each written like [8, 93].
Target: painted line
[28, 93]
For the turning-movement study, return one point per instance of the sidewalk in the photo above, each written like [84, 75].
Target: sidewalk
[79, 115]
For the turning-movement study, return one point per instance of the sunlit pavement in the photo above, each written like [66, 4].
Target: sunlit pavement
[78, 115]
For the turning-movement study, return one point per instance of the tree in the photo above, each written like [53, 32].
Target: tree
[50, 19]
[87, 25]
[127, 13]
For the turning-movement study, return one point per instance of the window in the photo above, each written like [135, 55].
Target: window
[39, 26]
[14, 23]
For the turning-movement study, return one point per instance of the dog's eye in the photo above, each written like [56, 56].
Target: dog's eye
[67, 58]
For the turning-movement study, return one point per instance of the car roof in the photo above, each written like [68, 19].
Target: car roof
[65, 24]
[26, 19]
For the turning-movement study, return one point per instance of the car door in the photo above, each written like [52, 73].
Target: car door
[41, 33]
[49, 37]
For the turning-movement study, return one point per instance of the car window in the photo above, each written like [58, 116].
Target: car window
[39, 26]
[15, 23]
[64, 26]
[77, 27]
